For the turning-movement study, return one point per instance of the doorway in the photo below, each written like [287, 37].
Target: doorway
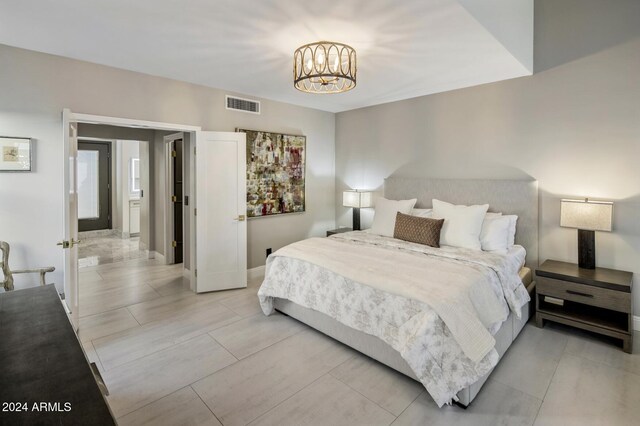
[216, 259]
[94, 186]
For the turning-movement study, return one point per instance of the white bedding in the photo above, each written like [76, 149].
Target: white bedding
[387, 287]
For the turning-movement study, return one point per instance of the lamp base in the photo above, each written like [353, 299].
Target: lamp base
[586, 249]
[356, 219]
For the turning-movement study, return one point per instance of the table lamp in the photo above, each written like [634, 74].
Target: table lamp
[357, 200]
[587, 216]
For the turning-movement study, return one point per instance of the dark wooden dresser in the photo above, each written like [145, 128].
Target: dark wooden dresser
[45, 378]
[598, 300]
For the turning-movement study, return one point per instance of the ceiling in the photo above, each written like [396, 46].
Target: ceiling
[406, 48]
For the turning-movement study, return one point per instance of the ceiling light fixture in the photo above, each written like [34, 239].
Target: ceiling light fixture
[324, 67]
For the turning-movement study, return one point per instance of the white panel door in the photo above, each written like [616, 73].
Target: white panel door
[221, 208]
[70, 238]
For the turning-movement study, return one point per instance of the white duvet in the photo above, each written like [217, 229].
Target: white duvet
[437, 307]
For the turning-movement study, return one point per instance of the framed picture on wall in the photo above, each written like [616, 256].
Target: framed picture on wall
[276, 165]
[15, 154]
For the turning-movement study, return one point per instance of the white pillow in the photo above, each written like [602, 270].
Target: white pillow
[512, 229]
[384, 218]
[462, 224]
[495, 233]
[422, 212]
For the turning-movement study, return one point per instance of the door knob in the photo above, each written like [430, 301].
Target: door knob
[240, 218]
[68, 244]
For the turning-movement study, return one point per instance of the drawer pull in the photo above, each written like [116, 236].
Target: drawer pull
[577, 293]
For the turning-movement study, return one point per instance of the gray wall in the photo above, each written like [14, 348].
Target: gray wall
[35, 88]
[574, 126]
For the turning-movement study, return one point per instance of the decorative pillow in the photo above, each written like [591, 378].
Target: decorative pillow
[422, 212]
[384, 218]
[495, 233]
[421, 230]
[462, 224]
[512, 229]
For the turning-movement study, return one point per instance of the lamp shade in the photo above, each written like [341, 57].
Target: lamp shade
[586, 214]
[357, 199]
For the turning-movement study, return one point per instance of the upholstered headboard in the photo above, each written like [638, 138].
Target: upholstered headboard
[519, 197]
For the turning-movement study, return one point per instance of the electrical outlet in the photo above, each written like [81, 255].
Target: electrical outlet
[268, 251]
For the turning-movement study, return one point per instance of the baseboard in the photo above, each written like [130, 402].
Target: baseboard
[256, 272]
[155, 255]
[186, 274]
[636, 323]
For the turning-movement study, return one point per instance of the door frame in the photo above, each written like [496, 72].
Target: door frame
[68, 118]
[169, 232]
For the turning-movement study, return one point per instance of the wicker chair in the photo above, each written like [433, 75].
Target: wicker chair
[8, 273]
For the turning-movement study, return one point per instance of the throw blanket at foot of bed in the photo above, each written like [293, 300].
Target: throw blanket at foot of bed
[404, 294]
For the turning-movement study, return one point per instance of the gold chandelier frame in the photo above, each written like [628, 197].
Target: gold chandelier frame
[324, 67]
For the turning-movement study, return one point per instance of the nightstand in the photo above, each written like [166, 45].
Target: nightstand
[597, 300]
[338, 231]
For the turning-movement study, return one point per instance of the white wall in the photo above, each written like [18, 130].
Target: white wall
[574, 126]
[34, 89]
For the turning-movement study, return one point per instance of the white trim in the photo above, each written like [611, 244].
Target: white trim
[256, 272]
[128, 122]
[636, 323]
[191, 209]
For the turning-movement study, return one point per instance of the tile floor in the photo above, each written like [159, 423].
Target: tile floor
[170, 357]
[103, 247]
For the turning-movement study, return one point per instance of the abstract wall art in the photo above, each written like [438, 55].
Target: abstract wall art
[275, 173]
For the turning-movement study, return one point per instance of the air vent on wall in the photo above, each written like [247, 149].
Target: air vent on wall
[244, 105]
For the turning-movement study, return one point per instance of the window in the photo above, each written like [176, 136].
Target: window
[134, 186]
[88, 184]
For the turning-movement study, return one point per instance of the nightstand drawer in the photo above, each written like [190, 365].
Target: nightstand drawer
[581, 293]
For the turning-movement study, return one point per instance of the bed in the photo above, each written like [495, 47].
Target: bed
[318, 282]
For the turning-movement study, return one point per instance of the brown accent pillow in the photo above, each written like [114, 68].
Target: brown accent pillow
[421, 230]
